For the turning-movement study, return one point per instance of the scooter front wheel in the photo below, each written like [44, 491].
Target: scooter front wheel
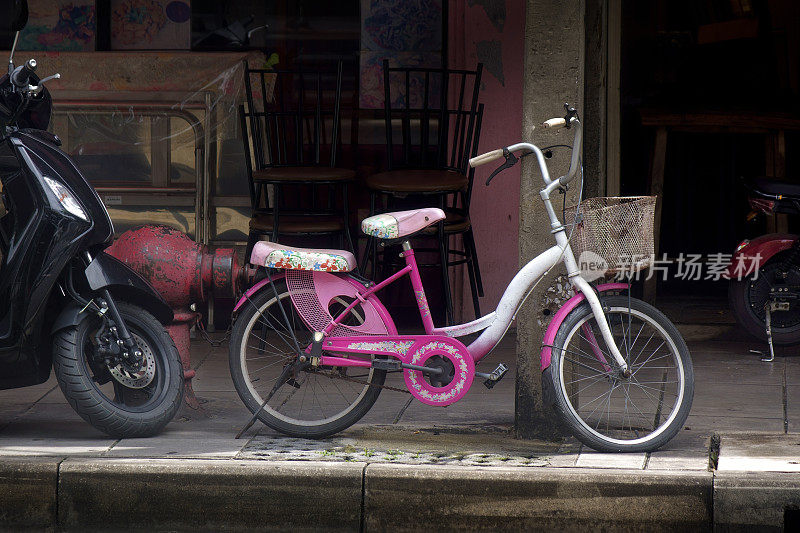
[605, 408]
[118, 401]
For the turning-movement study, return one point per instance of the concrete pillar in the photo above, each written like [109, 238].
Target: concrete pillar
[553, 74]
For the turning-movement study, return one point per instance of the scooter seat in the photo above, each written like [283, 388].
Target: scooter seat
[276, 255]
[775, 187]
[401, 223]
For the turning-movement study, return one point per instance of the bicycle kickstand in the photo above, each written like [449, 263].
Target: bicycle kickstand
[768, 308]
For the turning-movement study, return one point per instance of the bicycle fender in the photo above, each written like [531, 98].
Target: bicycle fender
[254, 289]
[561, 315]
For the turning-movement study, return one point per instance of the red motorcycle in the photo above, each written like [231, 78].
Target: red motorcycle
[764, 274]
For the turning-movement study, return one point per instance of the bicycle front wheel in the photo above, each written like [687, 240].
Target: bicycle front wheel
[606, 410]
[314, 403]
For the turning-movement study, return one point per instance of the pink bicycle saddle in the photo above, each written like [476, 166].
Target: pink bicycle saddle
[401, 223]
[276, 255]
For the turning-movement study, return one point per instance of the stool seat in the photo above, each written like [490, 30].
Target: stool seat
[453, 223]
[276, 255]
[401, 223]
[303, 173]
[415, 181]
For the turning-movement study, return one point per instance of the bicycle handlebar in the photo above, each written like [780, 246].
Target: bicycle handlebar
[558, 122]
[572, 121]
[22, 74]
[488, 157]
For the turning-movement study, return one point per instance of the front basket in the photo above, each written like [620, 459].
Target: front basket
[618, 229]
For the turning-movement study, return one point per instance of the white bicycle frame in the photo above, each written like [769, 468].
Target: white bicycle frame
[495, 324]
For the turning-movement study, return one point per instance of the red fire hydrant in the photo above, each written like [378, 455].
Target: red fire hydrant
[184, 273]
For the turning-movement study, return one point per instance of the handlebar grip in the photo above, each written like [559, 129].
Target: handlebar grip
[22, 74]
[486, 158]
[554, 123]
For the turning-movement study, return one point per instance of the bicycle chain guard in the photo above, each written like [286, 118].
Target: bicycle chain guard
[420, 386]
[417, 350]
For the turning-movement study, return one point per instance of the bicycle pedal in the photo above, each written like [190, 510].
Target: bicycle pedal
[496, 376]
[293, 383]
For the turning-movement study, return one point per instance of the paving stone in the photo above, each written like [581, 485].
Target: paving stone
[178, 444]
[710, 423]
[719, 399]
[688, 450]
[28, 394]
[759, 453]
[562, 461]
[52, 429]
[592, 459]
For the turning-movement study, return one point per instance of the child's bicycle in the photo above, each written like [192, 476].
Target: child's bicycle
[312, 344]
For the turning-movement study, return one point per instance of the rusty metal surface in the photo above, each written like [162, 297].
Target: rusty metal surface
[179, 331]
[165, 257]
[184, 273]
[181, 270]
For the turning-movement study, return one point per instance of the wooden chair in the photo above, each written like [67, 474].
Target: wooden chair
[432, 120]
[296, 189]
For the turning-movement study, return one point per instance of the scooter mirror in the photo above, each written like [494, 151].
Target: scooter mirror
[14, 13]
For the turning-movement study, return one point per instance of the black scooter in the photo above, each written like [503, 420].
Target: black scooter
[67, 304]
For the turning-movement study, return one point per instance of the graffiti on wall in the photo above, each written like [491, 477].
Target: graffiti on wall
[408, 34]
[63, 25]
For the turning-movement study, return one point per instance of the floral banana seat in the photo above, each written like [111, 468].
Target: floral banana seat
[401, 223]
[276, 255]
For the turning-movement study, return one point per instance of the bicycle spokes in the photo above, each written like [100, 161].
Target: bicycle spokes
[609, 403]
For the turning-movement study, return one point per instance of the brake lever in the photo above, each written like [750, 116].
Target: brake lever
[36, 89]
[48, 78]
[511, 160]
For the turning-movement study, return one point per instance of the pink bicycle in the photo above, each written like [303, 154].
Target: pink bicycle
[312, 344]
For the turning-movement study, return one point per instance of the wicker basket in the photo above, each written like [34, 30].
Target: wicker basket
[618, 229]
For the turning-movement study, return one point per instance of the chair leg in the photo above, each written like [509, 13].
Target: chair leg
[346, 216]
[474, 253]
[371, 252]
[276, 213]
[252, 239]
[367, 255]
[443, 259]
[470, 257]
[349, 238]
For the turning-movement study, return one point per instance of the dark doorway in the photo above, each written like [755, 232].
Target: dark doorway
[726, 58]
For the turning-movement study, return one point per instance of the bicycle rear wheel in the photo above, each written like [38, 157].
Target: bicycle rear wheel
[314, 403]
[602, 408]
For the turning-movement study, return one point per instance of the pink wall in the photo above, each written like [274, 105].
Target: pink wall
[492, 31]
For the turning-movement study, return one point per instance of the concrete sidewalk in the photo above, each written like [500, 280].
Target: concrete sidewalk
[414, 468]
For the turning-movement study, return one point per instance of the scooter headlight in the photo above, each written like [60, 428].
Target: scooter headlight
[66, 199]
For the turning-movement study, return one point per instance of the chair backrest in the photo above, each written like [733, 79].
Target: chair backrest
[294, 116]
[308, 196]
[473, 151]
[436, 111]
